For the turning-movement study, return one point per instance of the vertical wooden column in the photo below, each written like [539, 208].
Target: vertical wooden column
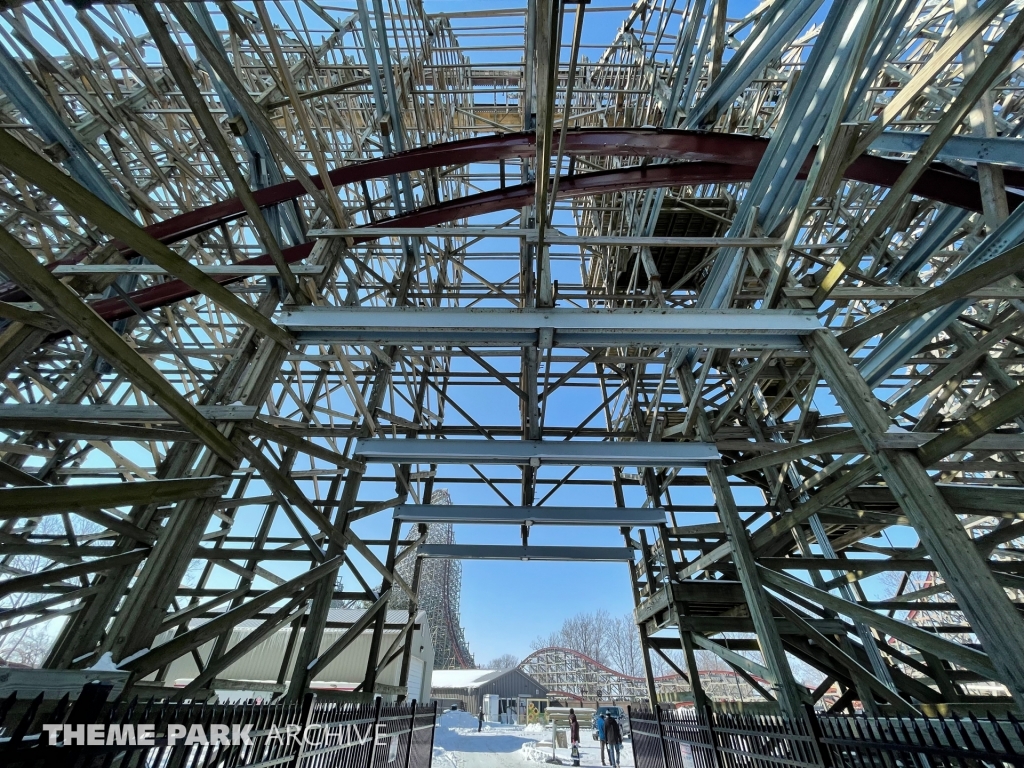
[700, 699]
[323, 594]
[414, 607]
[753, 590]
[645, 645]
[373, 657]
[992, 616]
[768, 638]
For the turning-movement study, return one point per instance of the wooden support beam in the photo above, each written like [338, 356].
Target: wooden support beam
[14, 476]
[54, 499]
[285, 79]
[1003, 265]
[990, 612]
[1001, 410]
[768, 638]
[972, 89]
[56, 575]
[854, 565]
[751, 667]
[1003, 501]
[81, 430]
[157, 657]
[907, 633]
[743, 389]
[183, 77]
[927, 72]
[62, 302]
[291, 440]
[842, 657]
[253, 111]
[32, 415]
[270, 625]
[31, 167]
[332, 652]
[843, 442]
[825, 497]
[27, 317]
[17, 342]
[180, 617]
[848, 442]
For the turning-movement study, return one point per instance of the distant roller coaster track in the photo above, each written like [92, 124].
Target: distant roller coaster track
[698, 158]
[440, 589]
[571, 674]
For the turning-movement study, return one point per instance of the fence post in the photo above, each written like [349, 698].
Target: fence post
[433, 730]
[554, 740]
[89, 704]
[814, 726]
[305, 716]
[412, 732]
[709, 716]
[373, 733]
[661, 737]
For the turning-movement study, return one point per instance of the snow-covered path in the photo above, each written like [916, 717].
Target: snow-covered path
[458, 745]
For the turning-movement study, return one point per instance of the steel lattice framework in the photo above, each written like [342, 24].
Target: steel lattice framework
[738, 281]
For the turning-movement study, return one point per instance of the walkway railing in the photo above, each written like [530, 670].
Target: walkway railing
[703, 739]
[309, 734]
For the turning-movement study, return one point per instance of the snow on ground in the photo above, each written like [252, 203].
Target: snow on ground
[458, 745]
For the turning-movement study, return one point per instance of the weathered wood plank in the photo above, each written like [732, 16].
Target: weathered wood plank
[991, 614]
[54, 499]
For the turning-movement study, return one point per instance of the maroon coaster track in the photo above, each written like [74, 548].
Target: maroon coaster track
[696, 158]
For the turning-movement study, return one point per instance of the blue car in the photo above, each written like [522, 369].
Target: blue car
[620, 717]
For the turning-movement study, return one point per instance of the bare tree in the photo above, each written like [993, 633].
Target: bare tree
[615, 642]
[554, 640]
[20, 642]
[28, 646]
[505, 661]
[662, 668]
[806, 674]
[623, 646]
[585, 633]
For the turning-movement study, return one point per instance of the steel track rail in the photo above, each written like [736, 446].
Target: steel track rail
[699, 158]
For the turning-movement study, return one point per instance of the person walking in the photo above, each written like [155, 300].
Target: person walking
[480, 720]
[574, 737]
[613, 735]
[599, 725]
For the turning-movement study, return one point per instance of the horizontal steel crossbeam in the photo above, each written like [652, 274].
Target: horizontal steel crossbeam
[513, 552]
[773, 329]
[535, 452]
[479, 513]
[249, 270]
[553, 237]
[124, 413]
[984, 149]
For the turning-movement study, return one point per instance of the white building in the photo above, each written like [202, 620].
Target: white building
[257, 672]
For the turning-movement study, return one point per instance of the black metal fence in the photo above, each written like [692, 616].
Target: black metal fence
[308, 734]
[704, 739]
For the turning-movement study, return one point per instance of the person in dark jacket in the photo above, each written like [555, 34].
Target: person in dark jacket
[480, 720]
[613, 735]
[574, 737]
[599, 726]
